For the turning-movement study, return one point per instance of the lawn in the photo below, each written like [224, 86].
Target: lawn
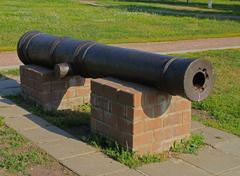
[115, 21]
[220, 7]
[223, 106]
[18, 156]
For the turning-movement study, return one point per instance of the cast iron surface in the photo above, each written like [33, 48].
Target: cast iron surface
[189, 78]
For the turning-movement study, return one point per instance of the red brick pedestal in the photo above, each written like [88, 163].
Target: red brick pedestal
[131, 114]
[39, 85]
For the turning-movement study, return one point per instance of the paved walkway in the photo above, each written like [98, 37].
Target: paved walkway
[220, 157]
[10, 59]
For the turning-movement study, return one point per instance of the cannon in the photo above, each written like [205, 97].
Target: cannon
[189, 78]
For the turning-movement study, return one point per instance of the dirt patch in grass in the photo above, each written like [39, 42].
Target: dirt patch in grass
[52, 169]
[202, 114]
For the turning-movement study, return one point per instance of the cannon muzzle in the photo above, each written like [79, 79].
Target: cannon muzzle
[189, 78]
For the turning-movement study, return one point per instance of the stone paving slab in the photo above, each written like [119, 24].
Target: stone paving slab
[127, 172]
[212, 160]
[10, 91]
[8, 84]
[13, 111]
[172, 167]
[4, 102]
[196, 126]
[213, 136]
[233, 172]
[231, 146]
[25, 122]
[96, 164]
[67, 148]
[47, 134]
[22, 123]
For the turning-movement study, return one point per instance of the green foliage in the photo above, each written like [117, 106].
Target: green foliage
[16, 153]
[113, 21]
[191, 145]
[1, 121]
[224, 102]
[121, 154]
[19, 162]
[61, 118]
[9, 72]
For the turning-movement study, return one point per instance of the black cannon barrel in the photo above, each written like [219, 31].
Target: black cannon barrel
[189, 78]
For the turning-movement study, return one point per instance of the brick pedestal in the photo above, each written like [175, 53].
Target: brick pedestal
[131, 114]
[39, 85]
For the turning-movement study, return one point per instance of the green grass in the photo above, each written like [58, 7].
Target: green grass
[113, 22]
[192, 145]
[9, 72]
[224, 102]
[121, 154]
[16, 153]
[220, 7]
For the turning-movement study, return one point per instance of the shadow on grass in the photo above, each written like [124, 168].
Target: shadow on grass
[231, 8]
[228, 15]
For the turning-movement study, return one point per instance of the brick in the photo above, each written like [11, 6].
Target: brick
[70, 93]
[118, 109]
[103, 103]
[115, 135]
[138, 127]
[171, 120]
[128, 98]
[152, 124]
[126, 140]
[156, 147]
[124, 125]
[158, 135]
[93, 124]
[133, 113]
[143, 149]
[82, 91]
[96, 88]
[86, 99]
[186, 117]
[113, 122]
[102, 128]
[142, 139]
[168, 133]
[183, 105]
[87, 82]
[138, 122]
[40, 85]
[110, 92]
[182, 129]
[166, 145]
[93, 99]
[97, 113]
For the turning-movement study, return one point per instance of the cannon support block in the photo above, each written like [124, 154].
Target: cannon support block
[41, 86]
[138, 116]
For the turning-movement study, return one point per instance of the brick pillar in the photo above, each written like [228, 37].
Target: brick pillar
[131, 114]
[39, 85]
